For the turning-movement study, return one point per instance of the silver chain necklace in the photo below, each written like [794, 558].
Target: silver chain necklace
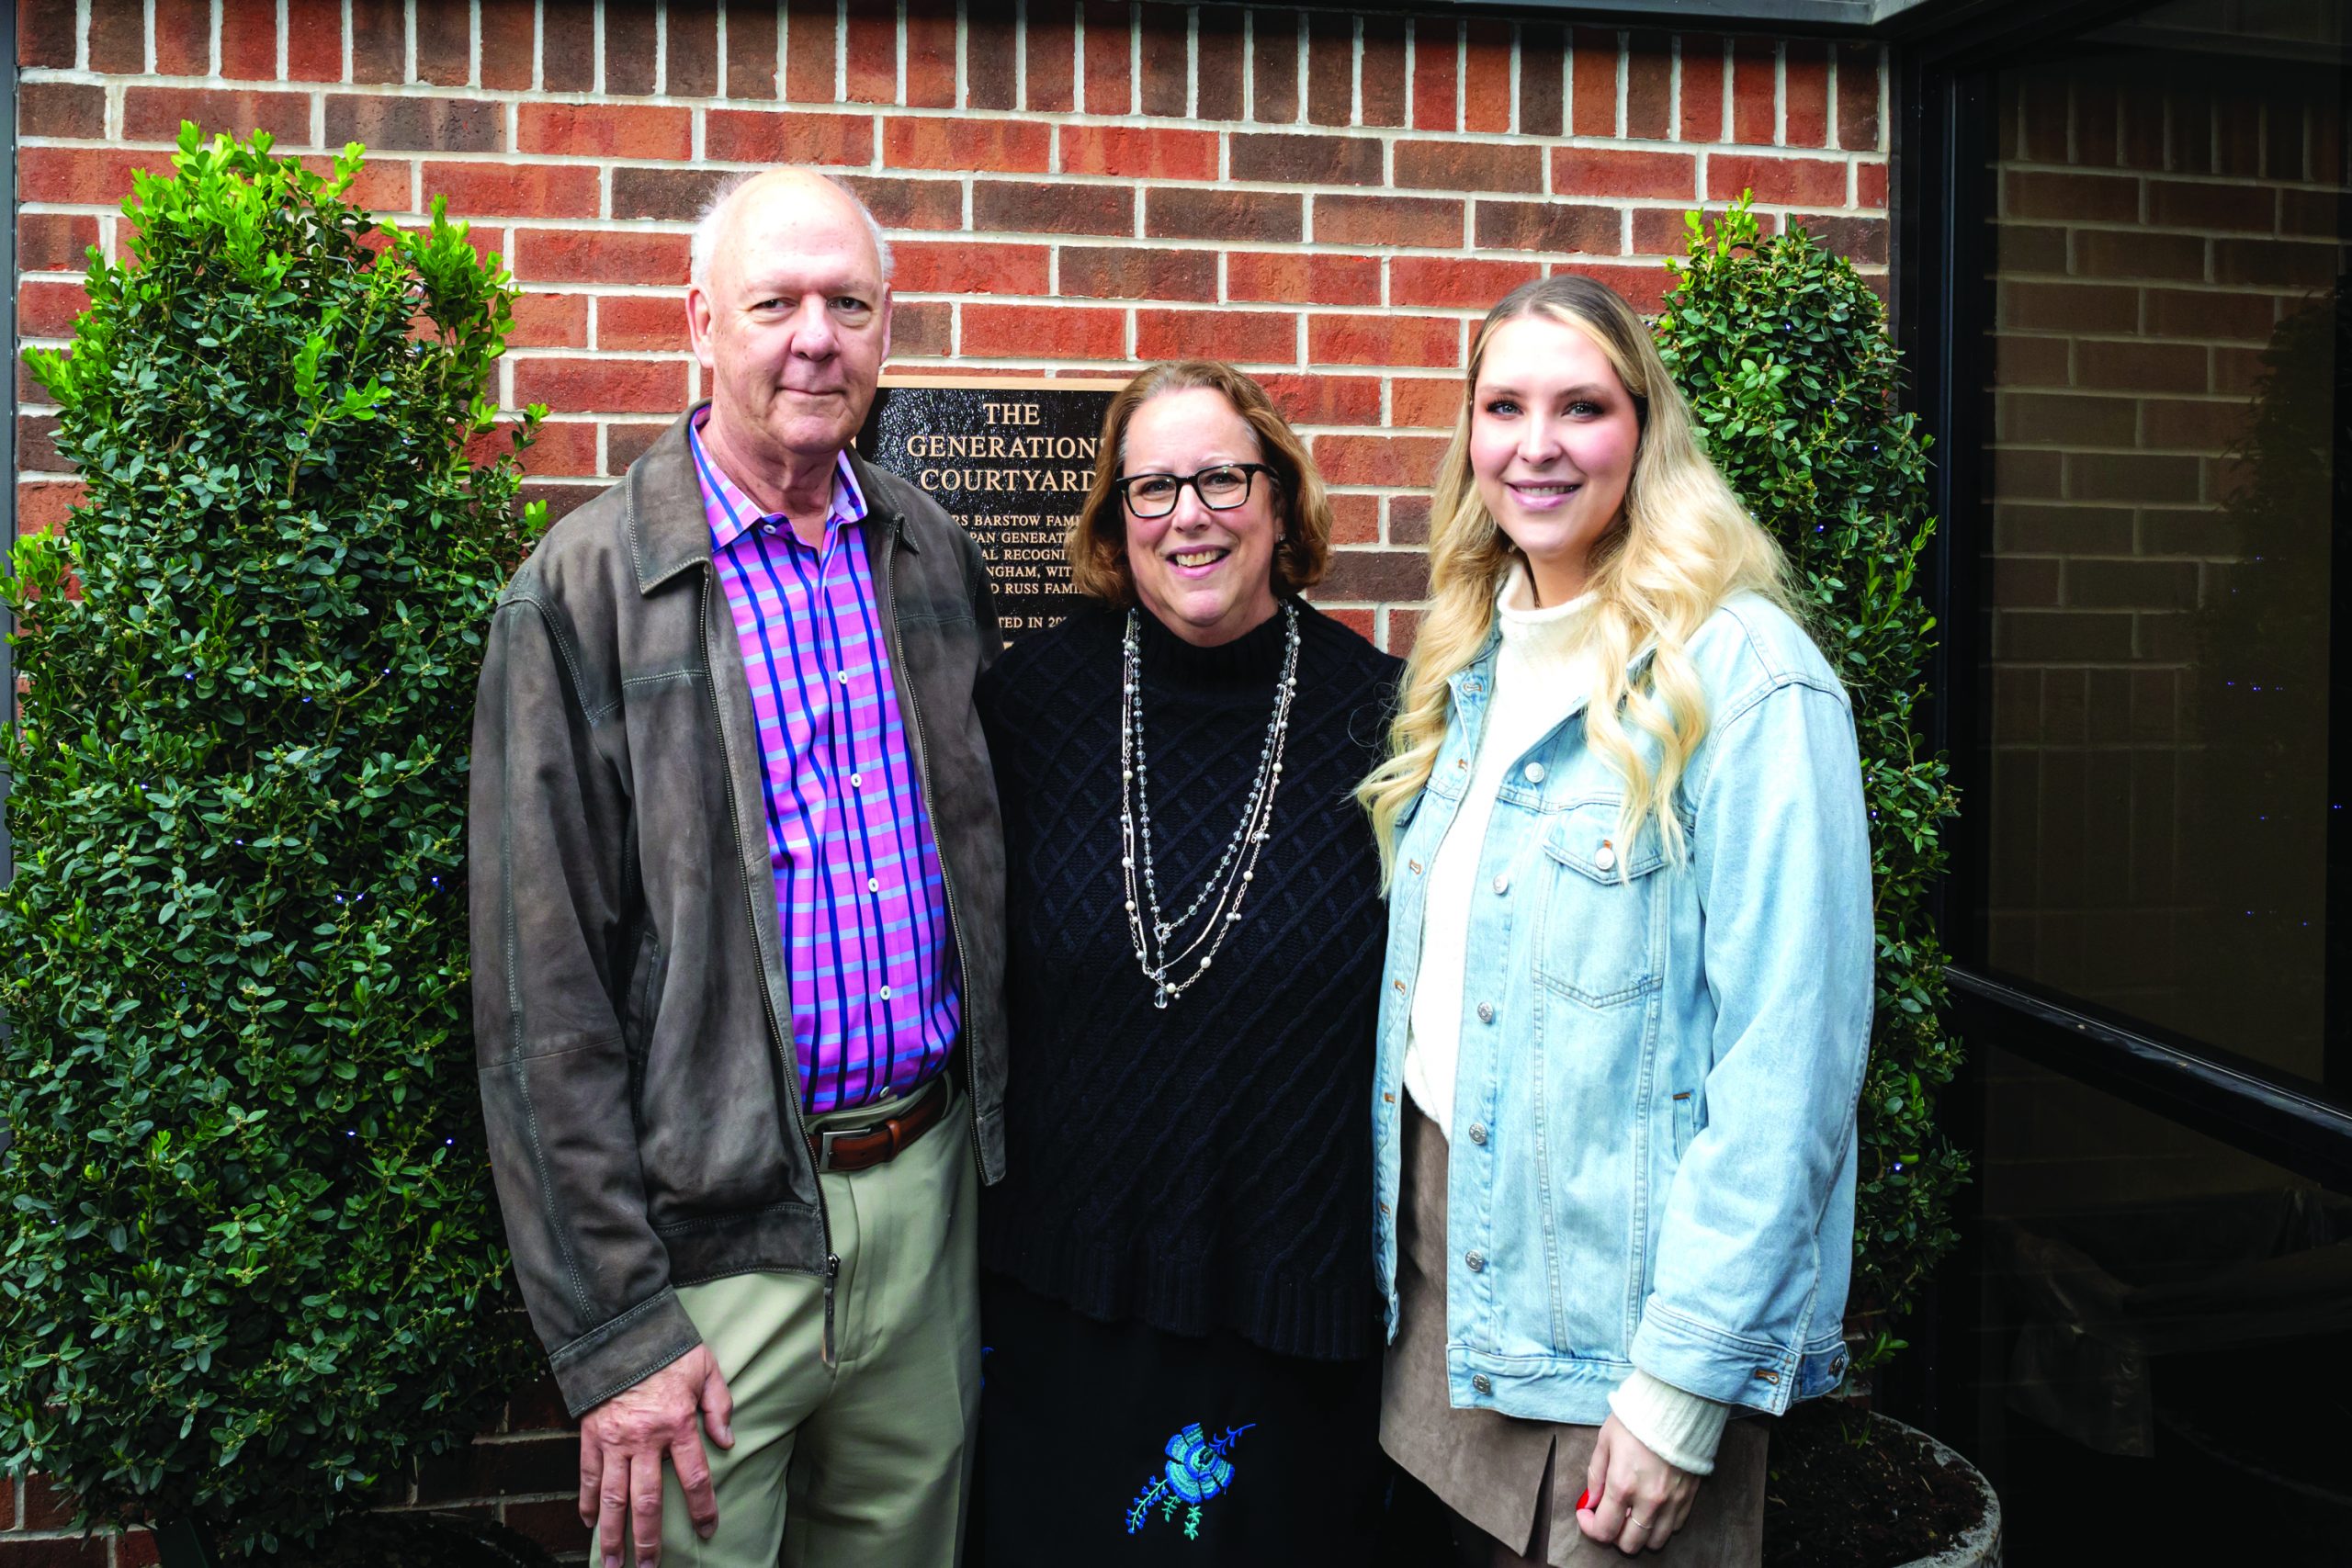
[1221, 895]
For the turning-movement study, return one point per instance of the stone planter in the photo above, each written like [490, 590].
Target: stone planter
[1859, 1489]
[1981, 1547]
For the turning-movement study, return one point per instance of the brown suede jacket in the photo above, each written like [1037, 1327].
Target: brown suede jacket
[631, 1015]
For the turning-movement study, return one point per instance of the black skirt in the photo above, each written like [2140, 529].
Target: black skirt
[1114, 1443]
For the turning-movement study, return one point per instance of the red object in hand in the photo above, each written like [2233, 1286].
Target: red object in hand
[1584, 1501]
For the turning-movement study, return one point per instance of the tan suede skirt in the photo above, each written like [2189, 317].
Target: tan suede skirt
[1516, 1480]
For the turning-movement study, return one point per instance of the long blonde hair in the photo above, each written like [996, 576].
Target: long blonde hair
[1683, 545]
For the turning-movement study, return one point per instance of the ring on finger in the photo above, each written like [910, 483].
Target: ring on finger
[1632, 1523]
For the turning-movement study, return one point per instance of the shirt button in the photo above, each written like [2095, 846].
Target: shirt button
[1604, 857]
[844, 677]
[1502, 884]
[857, 781]
[1486, 1013]
[886, 993]
[1533, 773]
[1483, 1383]
[1478, 1132]
[1474, 1261]
[874, 884]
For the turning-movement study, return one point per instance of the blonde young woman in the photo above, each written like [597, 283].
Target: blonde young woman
[1627, 994]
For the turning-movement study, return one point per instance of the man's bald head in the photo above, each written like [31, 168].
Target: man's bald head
[732, 196]
[790, 310]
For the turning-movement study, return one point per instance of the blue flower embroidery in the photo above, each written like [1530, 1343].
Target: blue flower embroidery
[1197, 1470]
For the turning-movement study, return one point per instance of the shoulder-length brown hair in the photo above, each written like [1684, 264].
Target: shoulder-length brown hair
[1098, 540]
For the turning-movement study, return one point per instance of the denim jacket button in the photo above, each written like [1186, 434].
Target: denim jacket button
[1478, 1136]
[1486, 1013]
[1502, 884]
[1604, 857]
[1533, 773]
[1474, 1261]
[1483, 1383]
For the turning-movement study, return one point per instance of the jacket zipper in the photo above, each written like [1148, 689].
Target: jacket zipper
[751, 910]
[922, 782]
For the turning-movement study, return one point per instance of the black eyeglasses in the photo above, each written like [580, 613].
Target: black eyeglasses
[1221, 488]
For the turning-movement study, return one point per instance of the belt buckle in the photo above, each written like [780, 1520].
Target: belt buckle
[825, 1141]
[825, 1136]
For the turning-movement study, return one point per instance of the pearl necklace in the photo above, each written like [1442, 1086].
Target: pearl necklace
[1222, 892]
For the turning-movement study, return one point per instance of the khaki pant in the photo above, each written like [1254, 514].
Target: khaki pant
[1517, 1481]
[867, 1461]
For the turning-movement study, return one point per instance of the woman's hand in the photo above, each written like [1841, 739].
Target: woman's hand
[1633, 1500]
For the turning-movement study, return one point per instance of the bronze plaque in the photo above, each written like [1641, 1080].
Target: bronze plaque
[1010, 460]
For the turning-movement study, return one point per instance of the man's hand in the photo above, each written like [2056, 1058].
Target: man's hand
[621, 1445]
[1634, 1500]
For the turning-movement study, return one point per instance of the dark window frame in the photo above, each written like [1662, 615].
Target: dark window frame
[1943, 92]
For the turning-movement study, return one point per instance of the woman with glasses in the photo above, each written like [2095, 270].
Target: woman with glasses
[1628, 990]
[1177, 1299]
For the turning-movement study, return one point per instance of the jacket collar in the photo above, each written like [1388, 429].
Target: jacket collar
[1475, 681]
[667, 532]
[881, 510]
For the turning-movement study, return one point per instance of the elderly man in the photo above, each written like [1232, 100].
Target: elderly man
[738, 940]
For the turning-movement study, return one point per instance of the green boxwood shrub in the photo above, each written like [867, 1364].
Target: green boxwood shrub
[1782, 351]
[252, 1266]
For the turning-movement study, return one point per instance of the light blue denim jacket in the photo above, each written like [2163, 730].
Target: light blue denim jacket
[1652, 1156]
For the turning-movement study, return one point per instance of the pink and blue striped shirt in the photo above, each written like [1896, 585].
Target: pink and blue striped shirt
[876, 998]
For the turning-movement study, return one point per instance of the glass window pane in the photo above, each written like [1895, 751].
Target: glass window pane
[2167, 417]
[2167, 1337]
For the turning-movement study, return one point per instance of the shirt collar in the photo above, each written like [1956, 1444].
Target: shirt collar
[731, 512]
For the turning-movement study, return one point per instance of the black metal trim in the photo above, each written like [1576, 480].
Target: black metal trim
[2215, 1092]
[2335, 1031]
[1967, 36]
[1851, 19]
[1937, 265]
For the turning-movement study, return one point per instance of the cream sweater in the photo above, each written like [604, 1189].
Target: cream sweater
[1539, 676]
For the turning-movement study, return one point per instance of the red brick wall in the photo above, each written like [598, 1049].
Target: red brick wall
[1330, 200]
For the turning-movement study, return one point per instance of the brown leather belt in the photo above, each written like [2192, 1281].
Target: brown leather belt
[844, 1149]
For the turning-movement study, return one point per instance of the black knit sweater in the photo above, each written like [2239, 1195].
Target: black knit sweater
[1209, 1166]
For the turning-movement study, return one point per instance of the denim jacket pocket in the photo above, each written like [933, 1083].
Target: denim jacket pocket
[1601, 917]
